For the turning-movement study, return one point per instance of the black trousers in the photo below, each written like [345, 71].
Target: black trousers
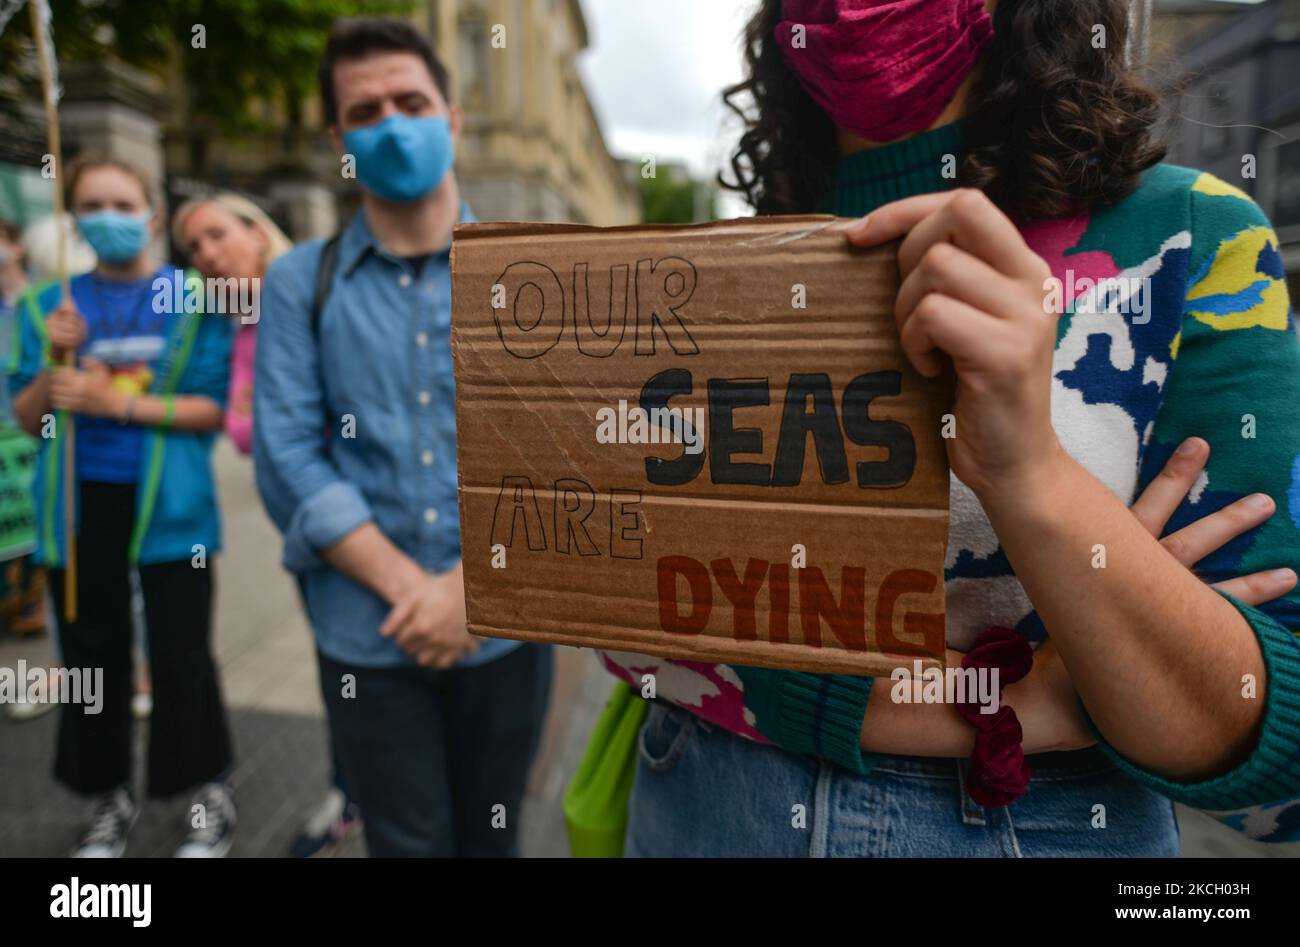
[189, 741]
[438, 760]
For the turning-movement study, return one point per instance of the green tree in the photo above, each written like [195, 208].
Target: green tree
[253, 49]
[670, 197]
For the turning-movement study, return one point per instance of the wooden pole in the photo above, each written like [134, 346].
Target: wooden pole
[69, 358]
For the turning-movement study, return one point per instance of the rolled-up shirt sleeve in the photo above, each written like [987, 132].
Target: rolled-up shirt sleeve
[309, 501]
[320, 521]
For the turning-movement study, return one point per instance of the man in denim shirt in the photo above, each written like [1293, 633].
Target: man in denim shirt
[355, 451]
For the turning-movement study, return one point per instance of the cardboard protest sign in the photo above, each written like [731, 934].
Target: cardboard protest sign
[697, 442]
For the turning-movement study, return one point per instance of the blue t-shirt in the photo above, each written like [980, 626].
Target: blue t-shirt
[124, 332]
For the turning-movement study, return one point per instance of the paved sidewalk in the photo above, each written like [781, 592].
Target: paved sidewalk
[268, 671]
[268, 674]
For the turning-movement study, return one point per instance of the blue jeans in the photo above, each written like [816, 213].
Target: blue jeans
[702, 791]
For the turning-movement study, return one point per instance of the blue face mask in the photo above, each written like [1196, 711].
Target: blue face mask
[402, 158]
[114, 236]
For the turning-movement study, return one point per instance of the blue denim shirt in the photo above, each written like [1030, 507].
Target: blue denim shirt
[358, 424]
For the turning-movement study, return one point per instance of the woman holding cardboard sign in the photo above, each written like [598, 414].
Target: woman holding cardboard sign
[1118, 328]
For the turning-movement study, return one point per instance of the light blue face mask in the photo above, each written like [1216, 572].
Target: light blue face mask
[114, 236]
[402, 158]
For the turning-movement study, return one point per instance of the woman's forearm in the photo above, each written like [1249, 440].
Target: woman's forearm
[189, 412]
[1156, 655]
[913, 729]
[1048, 722]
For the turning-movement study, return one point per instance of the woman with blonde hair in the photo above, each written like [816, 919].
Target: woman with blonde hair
[230, 238]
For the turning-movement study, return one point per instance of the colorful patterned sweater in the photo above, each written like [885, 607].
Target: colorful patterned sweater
[1206, 349]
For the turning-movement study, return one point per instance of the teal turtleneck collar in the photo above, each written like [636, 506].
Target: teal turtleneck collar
[867, 179]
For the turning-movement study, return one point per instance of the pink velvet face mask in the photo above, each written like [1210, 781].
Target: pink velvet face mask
[883, 69]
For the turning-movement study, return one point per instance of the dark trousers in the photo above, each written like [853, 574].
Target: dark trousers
[337, 779]
[430, 755]
[189, 742]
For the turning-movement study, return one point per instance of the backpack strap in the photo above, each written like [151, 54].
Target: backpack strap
[329, 258]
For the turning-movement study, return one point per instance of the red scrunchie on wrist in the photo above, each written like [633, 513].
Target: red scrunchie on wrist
[998, 773]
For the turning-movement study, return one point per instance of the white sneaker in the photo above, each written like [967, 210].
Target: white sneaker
[26, 709]
[111, 816]
[216, 832]
[334, 820]
[141, 705]
[30, 710]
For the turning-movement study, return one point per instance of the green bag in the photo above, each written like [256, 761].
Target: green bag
[595, 804]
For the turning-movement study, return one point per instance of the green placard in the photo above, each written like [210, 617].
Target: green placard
[17, 515]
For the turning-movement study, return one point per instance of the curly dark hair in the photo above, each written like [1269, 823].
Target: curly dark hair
[1053, 123]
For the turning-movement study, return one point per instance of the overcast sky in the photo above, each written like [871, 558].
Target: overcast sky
[655, 71]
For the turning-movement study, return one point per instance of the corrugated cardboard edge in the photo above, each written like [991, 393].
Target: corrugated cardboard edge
[707, 648]
[523, 228]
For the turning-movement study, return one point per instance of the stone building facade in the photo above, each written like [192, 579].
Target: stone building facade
[531, 148]
[1234, 104]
